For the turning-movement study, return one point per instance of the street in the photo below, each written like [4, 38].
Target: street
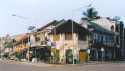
[15, 66]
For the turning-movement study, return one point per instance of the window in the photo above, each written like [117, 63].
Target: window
[100, 38]
[56, 37]
[112, 28]
[68, 36]
[104, 39]
[95, 36]
[37, 38]
[82, 37]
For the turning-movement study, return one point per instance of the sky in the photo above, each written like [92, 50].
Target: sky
[17, 15]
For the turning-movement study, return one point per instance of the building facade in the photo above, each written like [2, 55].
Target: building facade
[71, 39]
[103, 39]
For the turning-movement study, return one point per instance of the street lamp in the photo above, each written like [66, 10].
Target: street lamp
[88, 51]
[1, 48]
[102, 50]
[22, 17]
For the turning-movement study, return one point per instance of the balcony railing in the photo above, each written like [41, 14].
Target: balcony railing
[107, 43]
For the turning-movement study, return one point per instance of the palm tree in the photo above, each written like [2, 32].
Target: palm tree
[91, 14]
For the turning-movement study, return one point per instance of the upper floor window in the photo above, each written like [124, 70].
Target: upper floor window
[104, 39]
[101, 38]
[112, 28]
[94, 36]
[68, 36]
[37, 38]
[56, 37]
[98, 38]
[82, 37]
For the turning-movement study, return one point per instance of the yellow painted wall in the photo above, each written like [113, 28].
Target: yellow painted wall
[20, 47]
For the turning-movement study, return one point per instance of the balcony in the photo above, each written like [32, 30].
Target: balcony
[107, 43]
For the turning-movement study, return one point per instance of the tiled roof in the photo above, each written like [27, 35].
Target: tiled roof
[21, 37]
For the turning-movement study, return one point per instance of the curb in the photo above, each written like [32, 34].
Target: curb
[40, 64]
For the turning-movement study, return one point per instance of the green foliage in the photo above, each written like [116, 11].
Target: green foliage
[18, 55]
[8, 45]
[91, 13]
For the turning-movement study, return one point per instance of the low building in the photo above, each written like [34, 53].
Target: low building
[20, 46]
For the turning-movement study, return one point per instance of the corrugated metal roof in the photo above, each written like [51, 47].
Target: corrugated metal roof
[54, 23]
[66, 26]
[100, 29]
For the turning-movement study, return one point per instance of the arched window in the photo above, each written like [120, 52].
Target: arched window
[112, 28]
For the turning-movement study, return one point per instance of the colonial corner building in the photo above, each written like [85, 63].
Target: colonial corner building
[67, 41]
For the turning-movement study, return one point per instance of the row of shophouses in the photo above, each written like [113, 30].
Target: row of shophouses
[67, 41]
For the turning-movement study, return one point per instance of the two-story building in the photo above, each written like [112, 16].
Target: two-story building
[103, 39]
[71, 41]
[67, 40]
[40, 45]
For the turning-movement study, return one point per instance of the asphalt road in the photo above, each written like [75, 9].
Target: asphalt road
[15, 66]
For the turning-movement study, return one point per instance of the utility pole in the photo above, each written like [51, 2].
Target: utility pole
[73, 49]
[1, 48]
[72, 39]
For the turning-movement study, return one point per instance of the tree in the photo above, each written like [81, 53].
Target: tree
[8, 44]
[91, 14]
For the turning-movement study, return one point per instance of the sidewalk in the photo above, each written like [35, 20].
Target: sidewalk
[42, 64]
[36, 64]
[104, 62]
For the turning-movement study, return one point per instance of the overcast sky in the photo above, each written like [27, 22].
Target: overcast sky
[40, 12]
